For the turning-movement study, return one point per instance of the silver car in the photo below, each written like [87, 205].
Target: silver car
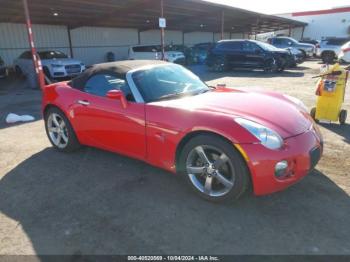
[56, 65]
[329, 49]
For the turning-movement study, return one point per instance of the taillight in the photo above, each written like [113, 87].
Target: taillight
[346, 49]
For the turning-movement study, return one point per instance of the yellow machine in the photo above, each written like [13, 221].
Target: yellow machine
[331, 93]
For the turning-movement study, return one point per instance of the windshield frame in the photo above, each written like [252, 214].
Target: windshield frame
[135, 89]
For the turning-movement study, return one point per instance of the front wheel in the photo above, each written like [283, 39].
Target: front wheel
[60, 131]
[214, 169]
[342, 117]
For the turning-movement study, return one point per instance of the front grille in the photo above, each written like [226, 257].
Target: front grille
[73, 69]
[315, 155]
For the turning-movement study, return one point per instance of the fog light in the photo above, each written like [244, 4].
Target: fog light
[281, 168]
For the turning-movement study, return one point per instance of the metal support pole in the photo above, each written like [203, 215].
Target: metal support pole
[290, 31]
[138, 36]
[36, 58]
[70, 42]
[162, 31]
[222, 24]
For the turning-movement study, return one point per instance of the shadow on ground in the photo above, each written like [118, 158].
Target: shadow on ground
[95, 202]
[341, 130]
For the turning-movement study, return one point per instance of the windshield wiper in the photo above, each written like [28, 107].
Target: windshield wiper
[171, 95]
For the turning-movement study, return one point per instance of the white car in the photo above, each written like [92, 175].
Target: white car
[153, 52]
[55, 64]
[344, 55]
[329, 49]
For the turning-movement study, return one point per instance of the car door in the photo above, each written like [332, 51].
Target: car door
[254, 55]
[233, 53]
[105, 123]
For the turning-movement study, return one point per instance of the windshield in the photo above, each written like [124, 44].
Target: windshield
[167, 82]
[267, 47]
[52, 55]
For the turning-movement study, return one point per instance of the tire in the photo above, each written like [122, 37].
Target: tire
[271, 66]
[342, 117]
[304, 53]
[226, 181]
[328, 57]
[18, 71]
[68, 141]
[219, 66]
[313, 113]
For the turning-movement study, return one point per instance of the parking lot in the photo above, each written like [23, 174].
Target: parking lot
[96, 202]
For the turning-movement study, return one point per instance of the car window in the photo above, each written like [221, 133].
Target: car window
[280, 41]
[52, 55]
[167, 82]
[337, 41]
[26, 55]
[147, 49]
[100, 84]
[234, 45]
[250, 47]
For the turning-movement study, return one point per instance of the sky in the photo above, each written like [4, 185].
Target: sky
[283, 6]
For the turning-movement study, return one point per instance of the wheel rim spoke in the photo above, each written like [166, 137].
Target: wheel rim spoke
[223, 180]
[55, 121]
[207, 186]
[64, 137]
[221, 160]
[195, 170]
[202, 155]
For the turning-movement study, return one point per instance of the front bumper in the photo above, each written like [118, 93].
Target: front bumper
[344, 57]
[302, 153]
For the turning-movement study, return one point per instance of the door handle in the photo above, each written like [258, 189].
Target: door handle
[83, 102]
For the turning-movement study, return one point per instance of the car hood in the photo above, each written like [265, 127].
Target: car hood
[177, 53]
[270, 109]
[62, 61]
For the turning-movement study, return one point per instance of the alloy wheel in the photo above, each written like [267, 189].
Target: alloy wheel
[57, 130]
[210, 170]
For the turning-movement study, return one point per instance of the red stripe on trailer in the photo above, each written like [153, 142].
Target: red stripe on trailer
[323, 12]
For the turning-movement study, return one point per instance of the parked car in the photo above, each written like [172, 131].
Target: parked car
[329, 49]
[200, 52]
[3, 69]
[56, 65]
[181, 48]
[310, 41]
[298, 57]
[153, 52]
[229, 54]
[223, 141]
[285, 42]
[344, 55]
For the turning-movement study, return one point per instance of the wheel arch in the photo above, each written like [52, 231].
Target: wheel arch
[193, 134]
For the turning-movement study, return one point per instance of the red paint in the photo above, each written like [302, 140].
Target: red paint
[323, 12]
[152, 132]
[36, 59]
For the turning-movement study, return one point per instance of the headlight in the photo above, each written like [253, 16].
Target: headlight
[266, 136]
[56, 65]
[297, 101]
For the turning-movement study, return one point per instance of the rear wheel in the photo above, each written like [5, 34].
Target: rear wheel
[60, 131]
[328, 57]
[18, 71]
[214, 169]
[313, 113]
[342, 116]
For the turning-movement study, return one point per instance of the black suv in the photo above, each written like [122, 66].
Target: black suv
[3, 69]
[229, 54]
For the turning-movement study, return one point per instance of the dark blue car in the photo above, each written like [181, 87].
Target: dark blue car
[231, 54]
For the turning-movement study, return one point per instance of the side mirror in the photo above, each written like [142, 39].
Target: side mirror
[289, 43]
[117, 95]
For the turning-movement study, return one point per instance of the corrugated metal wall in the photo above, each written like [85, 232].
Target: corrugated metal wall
[14, 41]
[90, 44]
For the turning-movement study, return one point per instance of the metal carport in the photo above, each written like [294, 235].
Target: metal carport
[183, 15]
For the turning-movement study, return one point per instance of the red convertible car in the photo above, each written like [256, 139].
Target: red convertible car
[222, 140]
